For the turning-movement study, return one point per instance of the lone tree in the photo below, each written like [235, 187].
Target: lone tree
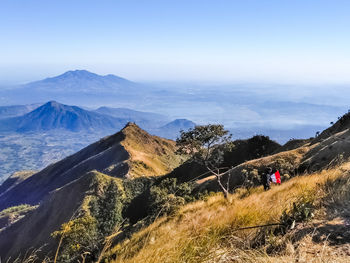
[207, 145]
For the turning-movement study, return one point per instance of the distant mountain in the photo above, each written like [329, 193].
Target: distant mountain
[16, 110]
[54, 130]
[71, 87]
[143, 119]
[183, 124]
[82, 81]
[172, 129]
[54, 115]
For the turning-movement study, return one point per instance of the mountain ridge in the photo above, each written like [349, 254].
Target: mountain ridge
[118, 155]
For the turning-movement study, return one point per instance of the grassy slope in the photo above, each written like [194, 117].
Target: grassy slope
[328, 151]
[149, 155]
[293, 144]
[286, 162]
[13, 214]
[204, 231]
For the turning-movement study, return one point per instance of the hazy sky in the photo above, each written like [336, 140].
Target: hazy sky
[298, 41]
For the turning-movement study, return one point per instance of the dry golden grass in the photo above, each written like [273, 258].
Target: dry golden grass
[204, 231]
[149, 155]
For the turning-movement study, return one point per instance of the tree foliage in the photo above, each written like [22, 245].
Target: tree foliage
[207, 144]
[168, 196]
[87, 232]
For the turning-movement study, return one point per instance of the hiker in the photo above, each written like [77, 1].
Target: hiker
[266, 178]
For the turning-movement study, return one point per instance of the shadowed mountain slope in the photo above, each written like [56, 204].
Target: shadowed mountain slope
[132, 152]
[328, 152]
[342, 124]
[35, 228]
[14, 180]
[293, 144]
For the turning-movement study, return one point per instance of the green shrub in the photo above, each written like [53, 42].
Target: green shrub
[301, 211]
[166, 197]
[87, 233]
[78, 236]
[107, 209]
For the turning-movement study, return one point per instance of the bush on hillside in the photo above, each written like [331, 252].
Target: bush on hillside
[107, 209]
[78, 236]
[166, 197]
[86, 233]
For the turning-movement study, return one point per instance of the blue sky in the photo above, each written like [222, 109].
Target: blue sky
[275, 41]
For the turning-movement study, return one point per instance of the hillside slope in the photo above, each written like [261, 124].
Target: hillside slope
[309, 157]
[244, 150]
[50, 215]
[14, 180]
[342, 124]
[327, 152]
[130, 153]
[311, 209]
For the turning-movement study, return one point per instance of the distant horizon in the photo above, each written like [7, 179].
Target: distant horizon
[41, 76]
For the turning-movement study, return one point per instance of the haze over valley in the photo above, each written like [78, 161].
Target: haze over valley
[38, 128]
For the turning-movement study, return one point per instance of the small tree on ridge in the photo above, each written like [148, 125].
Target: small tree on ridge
[207, 144]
